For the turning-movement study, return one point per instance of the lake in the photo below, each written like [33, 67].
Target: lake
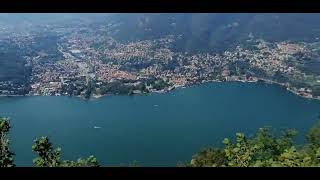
[154, 129]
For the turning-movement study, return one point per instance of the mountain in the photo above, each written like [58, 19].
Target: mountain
[216, 31]
[118, 39]
[23, 21]
[199, 31]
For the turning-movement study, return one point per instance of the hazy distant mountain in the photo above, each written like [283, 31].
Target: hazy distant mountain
[200, 32]
[217, 30]
[17, 19]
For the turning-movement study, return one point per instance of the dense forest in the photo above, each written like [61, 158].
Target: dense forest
[265, 149]
[14, 71]
[12, 64]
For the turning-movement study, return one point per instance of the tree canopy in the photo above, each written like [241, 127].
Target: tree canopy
[6, 155]
[265, 149]
[50, 157]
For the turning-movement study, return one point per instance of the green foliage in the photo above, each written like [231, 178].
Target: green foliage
[6, 156]
[91, 161]
[50, 157]
[292, 158]
[241, 153]
[159, 84]
[210, 157]
[116, 87]
[265, 149]
[314, 136]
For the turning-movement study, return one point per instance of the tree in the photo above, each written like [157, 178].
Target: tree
[91, 161]
[50, 157]
[211, 157]
[6, 156]
[265, 149]
[313, 136]
[312, 149]
[241, 153]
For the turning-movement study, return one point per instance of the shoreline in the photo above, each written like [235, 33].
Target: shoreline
[170, 89]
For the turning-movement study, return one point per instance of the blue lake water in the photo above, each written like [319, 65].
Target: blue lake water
[154, 129]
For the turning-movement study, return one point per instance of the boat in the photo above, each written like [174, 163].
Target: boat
[97, 127]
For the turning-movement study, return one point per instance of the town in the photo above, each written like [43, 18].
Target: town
[89, 63]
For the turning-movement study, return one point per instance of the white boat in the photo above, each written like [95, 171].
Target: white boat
[156, 105]
[96, 127]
